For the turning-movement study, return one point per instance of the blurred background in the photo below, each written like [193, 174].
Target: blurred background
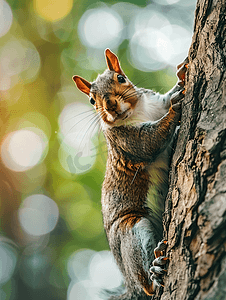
[52, 153]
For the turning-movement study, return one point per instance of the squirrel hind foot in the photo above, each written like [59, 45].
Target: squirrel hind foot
[157, 268]
[158, 251]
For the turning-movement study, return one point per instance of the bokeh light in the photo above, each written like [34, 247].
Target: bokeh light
[101, 28]
[78, 264]
[157, 43]
[172, 47]
[21, 150]
[143, 49]
[33, 270]
[103, 270]
[128, 13]
[6, 17]
[99, 271]
[8, 261]
[82, 290]
[38, 215]
[53, 10]
[19, 62]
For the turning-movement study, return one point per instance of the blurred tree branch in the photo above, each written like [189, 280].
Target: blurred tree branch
[195, 218]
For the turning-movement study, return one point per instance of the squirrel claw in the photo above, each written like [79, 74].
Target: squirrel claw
[157, 281]
[183, 63]
[160, 261]
[157, 270]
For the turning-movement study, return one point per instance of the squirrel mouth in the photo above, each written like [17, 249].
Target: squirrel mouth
[117, 116]
[123, 115]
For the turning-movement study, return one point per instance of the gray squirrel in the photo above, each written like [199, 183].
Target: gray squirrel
[138, 125]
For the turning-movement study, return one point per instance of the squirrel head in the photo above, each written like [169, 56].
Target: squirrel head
[113, 96]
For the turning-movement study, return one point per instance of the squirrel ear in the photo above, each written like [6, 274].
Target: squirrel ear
[82, 84]
[113, 62]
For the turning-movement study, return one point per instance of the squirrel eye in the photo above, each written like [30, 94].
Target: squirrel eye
[92, 101]
[121, 79]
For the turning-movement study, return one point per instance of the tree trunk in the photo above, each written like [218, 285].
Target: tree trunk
[195, 218]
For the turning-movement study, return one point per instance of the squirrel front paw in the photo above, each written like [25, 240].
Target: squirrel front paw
[175, 100]
[160, 260]
[181, 72]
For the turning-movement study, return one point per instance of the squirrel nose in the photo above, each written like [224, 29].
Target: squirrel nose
[110, 104]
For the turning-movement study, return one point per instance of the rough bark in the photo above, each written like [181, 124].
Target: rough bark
[195, 218]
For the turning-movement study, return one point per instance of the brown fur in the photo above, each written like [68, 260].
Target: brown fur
[148, 287]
